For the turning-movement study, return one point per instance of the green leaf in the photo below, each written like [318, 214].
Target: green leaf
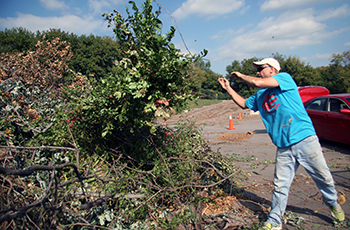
[118, 95]
[104, 134]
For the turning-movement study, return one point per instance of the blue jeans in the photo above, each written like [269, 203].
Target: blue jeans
[307, 153]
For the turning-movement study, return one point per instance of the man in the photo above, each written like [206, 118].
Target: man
[291, 130]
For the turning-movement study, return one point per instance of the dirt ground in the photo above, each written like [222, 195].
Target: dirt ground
[255, 154]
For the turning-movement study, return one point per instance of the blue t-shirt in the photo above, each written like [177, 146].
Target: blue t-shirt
[282, 112]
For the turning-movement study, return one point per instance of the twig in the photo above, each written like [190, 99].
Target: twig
[75, 146]
[254, 202]
[143, 203]
[175, 26]
[30, 220]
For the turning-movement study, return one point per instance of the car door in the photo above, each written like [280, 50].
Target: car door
[317, 110]
[338, 123]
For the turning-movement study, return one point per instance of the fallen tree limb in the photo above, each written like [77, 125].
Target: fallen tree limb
[32, 169]
[38, 147]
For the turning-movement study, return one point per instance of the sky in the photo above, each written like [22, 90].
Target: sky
[312, 30]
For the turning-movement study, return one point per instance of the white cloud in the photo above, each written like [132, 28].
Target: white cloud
[207, 7]
[296, 26]
[342, 11]
[288, 4]
[289, 31]
[54, 4]
[67, 23]
[321, 56]
[347, 44]
[224, 34]
[99, 6]
[320, 59]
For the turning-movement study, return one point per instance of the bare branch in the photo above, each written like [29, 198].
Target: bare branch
[34, 168]
[39, 147]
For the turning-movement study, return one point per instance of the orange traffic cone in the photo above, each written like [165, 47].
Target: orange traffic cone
[231, 123]
[240, 116]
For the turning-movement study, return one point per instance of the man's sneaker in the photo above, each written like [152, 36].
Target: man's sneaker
[338, 213]
[268, 226]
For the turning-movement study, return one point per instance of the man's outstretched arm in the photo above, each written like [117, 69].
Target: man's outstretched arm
[256, 81]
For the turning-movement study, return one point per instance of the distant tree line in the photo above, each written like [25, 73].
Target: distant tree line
[92, 55]
[95, 56]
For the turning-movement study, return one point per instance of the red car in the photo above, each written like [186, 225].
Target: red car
[330, 115]
[308, 92]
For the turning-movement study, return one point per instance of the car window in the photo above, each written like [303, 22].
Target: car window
[335, 105]
[318, 104]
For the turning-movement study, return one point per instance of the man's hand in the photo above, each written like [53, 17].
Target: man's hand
[240, 101]
[224, 83]
[236, 74]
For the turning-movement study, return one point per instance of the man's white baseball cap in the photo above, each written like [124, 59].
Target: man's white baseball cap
[270, 61]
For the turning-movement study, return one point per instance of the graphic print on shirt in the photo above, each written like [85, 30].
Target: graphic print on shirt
[286, 128]
[269, 104]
